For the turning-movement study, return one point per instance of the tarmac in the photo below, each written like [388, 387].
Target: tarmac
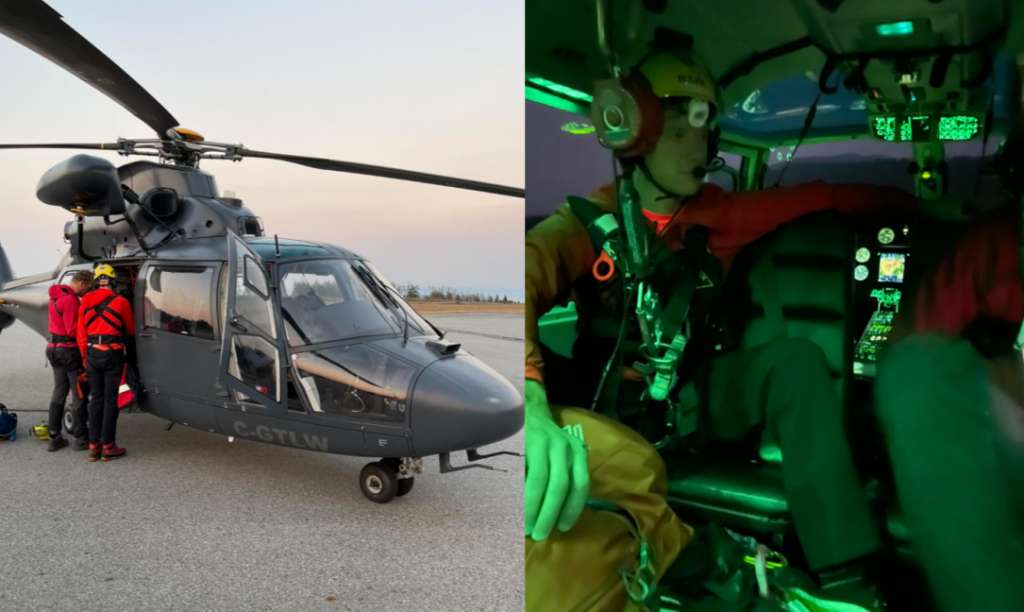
[188, 521]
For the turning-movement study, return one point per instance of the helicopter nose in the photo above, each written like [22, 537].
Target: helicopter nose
[461, 403]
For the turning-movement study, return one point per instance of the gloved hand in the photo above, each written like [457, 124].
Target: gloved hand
[557, 481]
[953, 207]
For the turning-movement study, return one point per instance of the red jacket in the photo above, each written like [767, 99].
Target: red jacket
[90, 323]
[558, 250]
[63, 314]
[980, 276]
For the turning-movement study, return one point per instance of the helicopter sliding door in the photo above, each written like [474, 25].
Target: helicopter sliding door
[251, 355]
[176, 337]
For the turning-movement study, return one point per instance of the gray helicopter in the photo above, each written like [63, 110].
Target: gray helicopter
[281, 341]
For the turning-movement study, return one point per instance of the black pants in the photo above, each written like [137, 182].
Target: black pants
[104, 370]
[957, 447]
[785, 387]
[67, 365]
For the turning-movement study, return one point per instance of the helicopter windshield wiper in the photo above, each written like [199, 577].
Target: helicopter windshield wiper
[380, 290]
[386, 287]
[439, 333]
[405, 332]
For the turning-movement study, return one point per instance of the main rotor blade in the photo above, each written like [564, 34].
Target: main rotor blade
[40, 28]
[392, 173]
[108, 146]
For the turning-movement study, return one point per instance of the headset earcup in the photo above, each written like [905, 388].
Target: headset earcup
[652, 116]
[627, 116]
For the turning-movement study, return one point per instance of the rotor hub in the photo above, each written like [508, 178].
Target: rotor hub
[186, 134]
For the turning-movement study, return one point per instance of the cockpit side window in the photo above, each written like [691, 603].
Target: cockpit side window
[563, 157]
[728, 178]
[252, 299]
[873, 162]
[177, 300]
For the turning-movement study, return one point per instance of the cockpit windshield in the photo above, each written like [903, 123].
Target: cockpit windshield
[336, 299]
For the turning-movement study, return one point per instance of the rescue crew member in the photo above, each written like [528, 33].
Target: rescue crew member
[105, 327]
[950, 399]
[783, 386]
[66, 360]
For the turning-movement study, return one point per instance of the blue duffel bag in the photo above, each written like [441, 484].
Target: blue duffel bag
[8, 424]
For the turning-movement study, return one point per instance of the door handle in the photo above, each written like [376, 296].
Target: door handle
[147, 335]
[238, 325]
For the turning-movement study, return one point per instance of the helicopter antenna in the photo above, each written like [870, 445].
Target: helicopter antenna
[277, 247]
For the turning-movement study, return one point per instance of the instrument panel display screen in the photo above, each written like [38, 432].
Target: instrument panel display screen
[924, 128]
[891, 267]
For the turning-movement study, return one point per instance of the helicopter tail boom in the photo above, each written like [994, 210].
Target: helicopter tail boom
[6, 320]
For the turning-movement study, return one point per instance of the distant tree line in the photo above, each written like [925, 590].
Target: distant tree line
[413, 291]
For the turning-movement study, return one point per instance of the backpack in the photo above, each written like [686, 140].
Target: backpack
[627, 536]
[8, 424]
[128, 392]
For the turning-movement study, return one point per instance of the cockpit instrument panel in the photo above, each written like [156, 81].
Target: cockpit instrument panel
[924, 128]
[891, 267]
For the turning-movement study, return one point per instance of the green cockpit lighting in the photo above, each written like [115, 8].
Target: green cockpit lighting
[921, 128]
[898, 28]
[963, 127]
[885, 128]
[577, 128]
[561, 89]
[887, 298]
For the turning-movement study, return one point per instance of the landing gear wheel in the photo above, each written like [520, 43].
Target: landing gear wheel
[378, 482]
[405, 485]
[69, 418]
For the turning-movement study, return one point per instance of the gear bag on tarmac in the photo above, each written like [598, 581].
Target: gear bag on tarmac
[8, 424]
[128, 392]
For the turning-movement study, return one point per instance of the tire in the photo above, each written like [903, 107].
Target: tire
[68, 420]
[378, 482]
[405, 485]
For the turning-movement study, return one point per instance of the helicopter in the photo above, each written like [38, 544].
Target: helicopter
[276, 340]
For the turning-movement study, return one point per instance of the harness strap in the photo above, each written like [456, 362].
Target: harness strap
[692, 264]
[104, 339]
[54, 301]
[600, 225]
[102, 309]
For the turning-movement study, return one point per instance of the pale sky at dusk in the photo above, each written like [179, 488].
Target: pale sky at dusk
[429, 86]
